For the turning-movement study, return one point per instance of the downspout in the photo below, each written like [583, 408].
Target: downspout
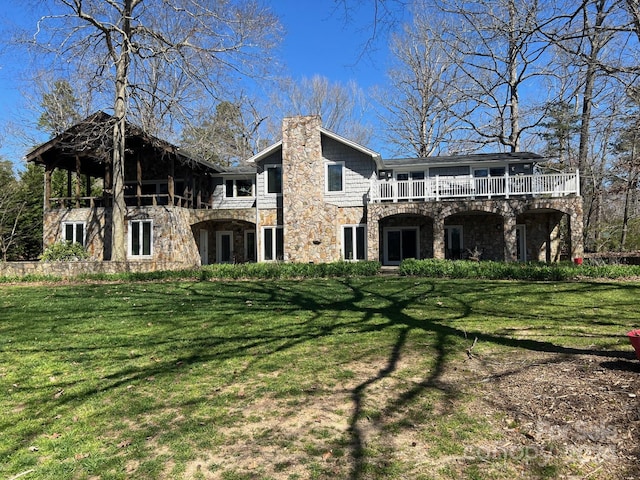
[258, 236]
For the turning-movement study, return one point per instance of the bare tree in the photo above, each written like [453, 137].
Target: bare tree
[226, 137]
[341, 106]
[418, 105]
[141, 50]
[496, 47]
[11, 208]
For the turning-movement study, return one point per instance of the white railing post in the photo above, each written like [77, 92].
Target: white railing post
[437, 188]
[577, 181]
[507, 188]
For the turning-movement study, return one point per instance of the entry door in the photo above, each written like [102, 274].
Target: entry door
[453, 241]
[521, 243]
[400, 243]
[224, 247]
[204, 247]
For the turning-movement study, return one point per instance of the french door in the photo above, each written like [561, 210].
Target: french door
[399, 244]
[224, 247]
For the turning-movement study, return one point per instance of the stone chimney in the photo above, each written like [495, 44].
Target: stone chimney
[309, 224]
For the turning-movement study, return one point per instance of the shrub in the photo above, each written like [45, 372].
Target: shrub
[290, 270]
[64, 252]
[534, 271]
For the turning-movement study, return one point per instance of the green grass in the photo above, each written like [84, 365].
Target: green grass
[320, 378]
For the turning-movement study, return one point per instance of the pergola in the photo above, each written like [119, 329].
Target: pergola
[85, 150]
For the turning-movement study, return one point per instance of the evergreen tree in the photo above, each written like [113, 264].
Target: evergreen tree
[561, 129]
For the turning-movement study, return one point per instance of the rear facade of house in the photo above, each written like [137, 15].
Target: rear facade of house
[317, 197]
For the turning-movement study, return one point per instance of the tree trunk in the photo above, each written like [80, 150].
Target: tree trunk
[625, 218]
[118, 236]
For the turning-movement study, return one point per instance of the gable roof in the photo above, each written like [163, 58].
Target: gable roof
[323, 131]
[90, 140]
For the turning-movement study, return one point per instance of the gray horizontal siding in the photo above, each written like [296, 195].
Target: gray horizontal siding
[264, 200]
[359, 169]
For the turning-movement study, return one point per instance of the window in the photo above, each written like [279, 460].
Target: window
[73, 232]
[334, 176]
[140, 238]
[240, 187]
[273, 244]
[250, 245]
[354, 242]
[453, 241]
[274, 179]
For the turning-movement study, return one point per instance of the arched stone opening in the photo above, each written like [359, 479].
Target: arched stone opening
[474, 234]
[225, 241]
[405, 235]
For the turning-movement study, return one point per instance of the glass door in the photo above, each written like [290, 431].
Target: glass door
[224, 247]
[453, 242]
[399, 244]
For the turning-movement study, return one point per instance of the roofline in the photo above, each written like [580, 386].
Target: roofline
[265, 153]
[464, 158]
[135, 130]
[356, 146]
[334, 136]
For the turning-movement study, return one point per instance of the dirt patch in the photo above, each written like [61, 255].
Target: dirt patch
[540, 416]
[581, 411]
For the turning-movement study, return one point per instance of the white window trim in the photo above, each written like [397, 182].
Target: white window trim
[274, 247]
[235, 188]
[266, 179]
[74, 223]
[326, 177]
[353, 227]
[129, 243]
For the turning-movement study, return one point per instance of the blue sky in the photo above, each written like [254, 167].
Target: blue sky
[318, 39]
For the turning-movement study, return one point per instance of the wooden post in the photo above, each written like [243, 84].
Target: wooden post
[108, 185]
[170, 182]
[48, 169]
[78, 181]
[138, 179]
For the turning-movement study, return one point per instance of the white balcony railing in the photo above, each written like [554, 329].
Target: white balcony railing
[438, 188]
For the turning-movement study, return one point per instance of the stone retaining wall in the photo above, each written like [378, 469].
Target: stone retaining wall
[73, 269]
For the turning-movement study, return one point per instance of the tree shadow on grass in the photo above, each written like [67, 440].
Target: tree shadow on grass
[361, 307]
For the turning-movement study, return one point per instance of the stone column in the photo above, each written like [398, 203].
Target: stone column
[373, 234]
[309, 223]
[576, 229]
[510, 237]
[438, 236]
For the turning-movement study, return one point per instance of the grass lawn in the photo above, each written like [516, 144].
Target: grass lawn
[338, 378]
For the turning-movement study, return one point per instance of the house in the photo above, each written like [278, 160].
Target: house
[314, 196]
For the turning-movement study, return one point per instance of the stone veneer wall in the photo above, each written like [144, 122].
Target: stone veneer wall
[541, 215]
[173, 240]
[73, 269]
[310, 224]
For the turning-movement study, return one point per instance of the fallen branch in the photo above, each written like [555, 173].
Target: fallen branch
[22, 474]
[470, 349]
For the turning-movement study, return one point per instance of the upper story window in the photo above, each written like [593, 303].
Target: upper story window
[239, 187]
[274, 178]
[334, 176]
[493, 172]
[73, 232]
